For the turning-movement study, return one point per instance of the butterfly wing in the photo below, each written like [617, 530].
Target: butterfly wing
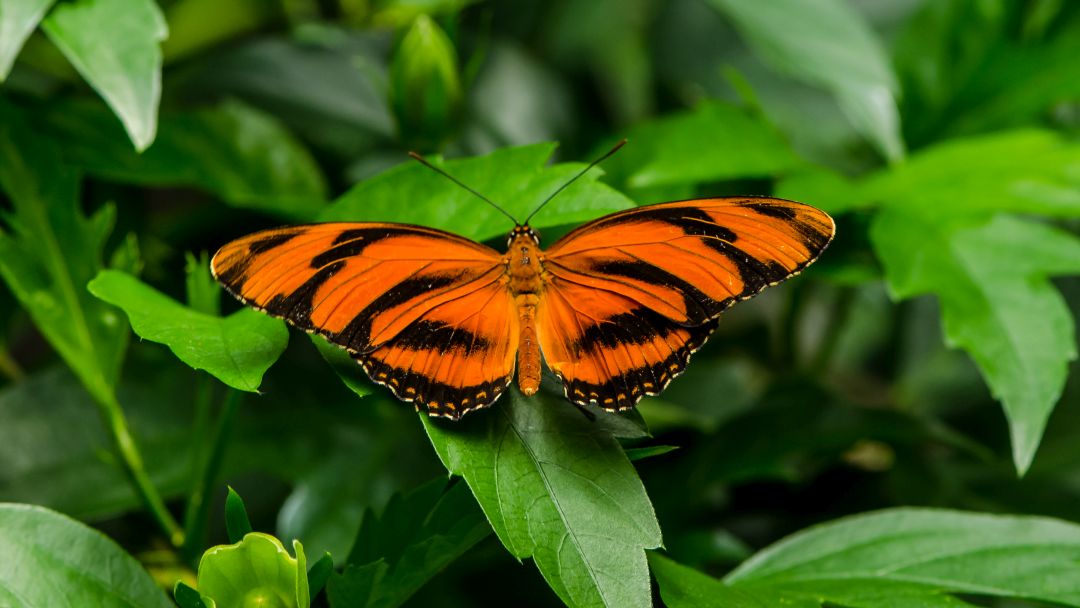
[630, 296]
[402, 299]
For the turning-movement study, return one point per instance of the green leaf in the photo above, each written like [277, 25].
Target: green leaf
[319, 573]
[237, 523]
[49, 559]
[256, 571]
[997, 303]
[685, 148]
[417, 535]
[683, 587]
[237, 349]
[239, 154]
[18, 19]
[1027, 171]
[515, 178]
[188, 597]
[832, 48]
[115, 45]
[344, 366]
[52, 250]
[915, 555]
[649, 452]
[557, 487]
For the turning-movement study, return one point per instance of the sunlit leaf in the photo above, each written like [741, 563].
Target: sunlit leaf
[115, 45]
[257, 571]
[237, 349]
[18, 19]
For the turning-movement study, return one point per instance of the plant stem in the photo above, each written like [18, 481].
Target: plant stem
[133, 464]
[198, 507]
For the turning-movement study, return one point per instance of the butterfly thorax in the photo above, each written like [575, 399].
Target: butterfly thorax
[524, 268]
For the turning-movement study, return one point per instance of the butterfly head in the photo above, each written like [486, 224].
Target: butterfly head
[523, 230]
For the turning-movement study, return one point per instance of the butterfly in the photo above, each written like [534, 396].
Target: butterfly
[615, 307]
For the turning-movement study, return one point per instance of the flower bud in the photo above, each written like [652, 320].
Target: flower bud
[425, 86]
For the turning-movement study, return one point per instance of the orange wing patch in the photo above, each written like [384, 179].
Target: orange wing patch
[630, 296]
[357, 284]
[426, 312]
[610, 350]
[457, 357]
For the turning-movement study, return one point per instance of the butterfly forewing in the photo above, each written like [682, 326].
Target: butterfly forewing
[630, 296]
[427, 312]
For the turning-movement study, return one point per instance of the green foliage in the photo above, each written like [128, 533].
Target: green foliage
[115, 45]
[417, 535]
[17, 22]
[836, 50]
[996, 304]
[52, 251]
[237, 522]
[558, 488]
[515, 178]
[900, 557]
[48, 555]
[231, 150]
[940, 135]
[237, 349]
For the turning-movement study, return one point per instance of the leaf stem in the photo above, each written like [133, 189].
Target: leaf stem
[133, 465]
[198, 507]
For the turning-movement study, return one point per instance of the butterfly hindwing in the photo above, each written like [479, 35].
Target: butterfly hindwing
[402, 299]
[608, 349]
[457, 357]
[629, 296]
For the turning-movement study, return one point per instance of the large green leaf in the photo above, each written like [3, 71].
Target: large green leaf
[231, 150]
[1026, 171]
[826, 43]
[997, 304]
[52, 251]
[515, 178]
[557, 487]
[714, 142]
[417, 535]
[50, 559]
[18, 18]
[115, 45]
[237, 349]
[915, 555]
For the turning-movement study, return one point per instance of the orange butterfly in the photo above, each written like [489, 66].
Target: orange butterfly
[615, 307]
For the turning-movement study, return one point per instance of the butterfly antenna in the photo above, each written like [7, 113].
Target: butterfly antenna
[423, 161]
[606, 156]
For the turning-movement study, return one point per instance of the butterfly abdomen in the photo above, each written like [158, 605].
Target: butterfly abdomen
[524, 267]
